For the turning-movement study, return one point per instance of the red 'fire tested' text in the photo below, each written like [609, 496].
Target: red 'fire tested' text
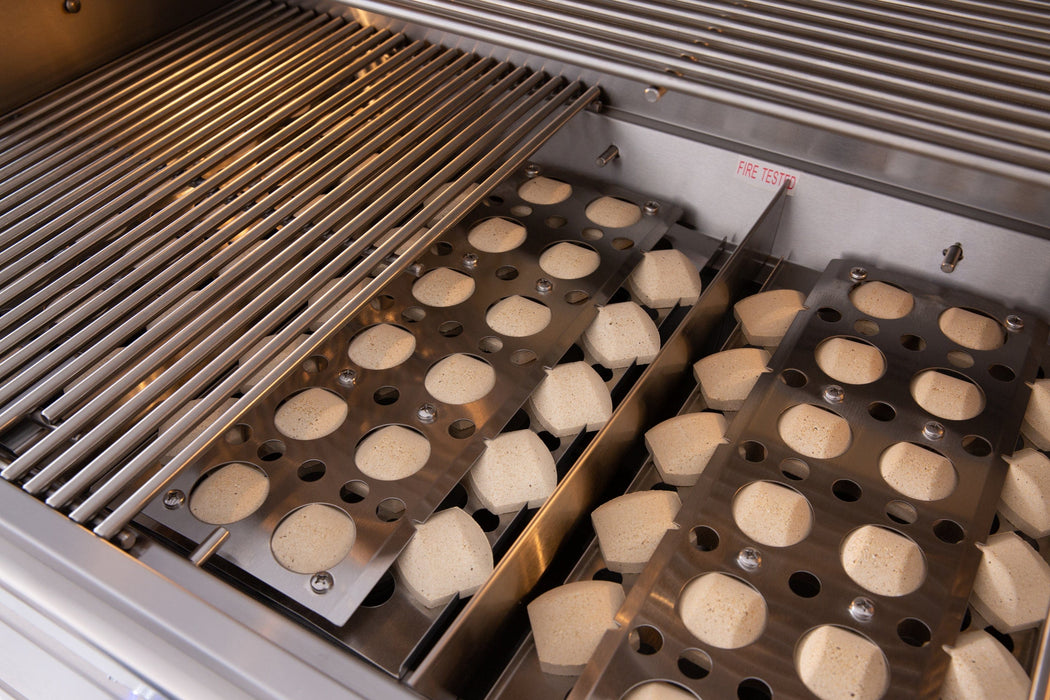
[757, 172]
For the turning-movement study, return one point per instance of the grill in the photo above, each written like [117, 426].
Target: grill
[195, 232]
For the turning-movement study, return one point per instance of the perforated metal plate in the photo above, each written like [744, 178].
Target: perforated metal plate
[845, 492]
[384, 517]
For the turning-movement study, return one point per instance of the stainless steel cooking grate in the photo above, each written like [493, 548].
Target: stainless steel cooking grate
[208, 188]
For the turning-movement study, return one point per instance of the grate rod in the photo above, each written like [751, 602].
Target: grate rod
[775, 45]
[840, 116]
[245, 264]
[961, 109]
[208, 112]
[62, 138]
[90, 88]
[127, 510]
[274, 166]
[362, 196]
[138, 191]
[273, 107]
[182, 268]
[287, 288]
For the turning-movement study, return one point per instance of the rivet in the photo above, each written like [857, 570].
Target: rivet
[470, 261]
[427, 413]
[321, 582]
[1014, 323]
[174, 499]
[348, 378]
[544, 285]
[858, 274]
[862, 609]
[749, 559]
[933, 430]
[833, 393]
[651, 207]
[532, 170]
[72, 6]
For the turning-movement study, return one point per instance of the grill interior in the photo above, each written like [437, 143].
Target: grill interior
[196, 232]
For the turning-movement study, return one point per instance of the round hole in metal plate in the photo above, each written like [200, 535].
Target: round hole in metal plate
[846, 490]
[592, 234]
[390, 510]
[913, 342]
[866, 327]
[523, 357]
[1002, 373]
[493, 200]
[441, 248]
[490, 344]
[913, 632]
[804, 584]
[960, 359]
[521, 210]
[694, 663]
[621, 243]
[901, 512]
[413, 314]
[704, 538]
[456, 498]
[976, 446]
[794, 378]
[576, 297]
[646, 640]
[382, 302]
[271, 450]
[507, 272]
[461, 429]
[752, 451]
[311, 470]
[354, 491]
[882, 411]
[829, 315]
[949, 531]
[450, 329]
[386, 395]
[315, 364]
[753, 689]
[794, 469]
[555, 221]
[238, 434]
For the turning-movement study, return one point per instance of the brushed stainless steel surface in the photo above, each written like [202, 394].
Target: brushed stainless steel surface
[145, 621]
[492, 622]
[889, 151]
[46, 47]
[916, 668]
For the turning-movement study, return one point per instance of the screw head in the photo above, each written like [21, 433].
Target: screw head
[544, 285]
[652, 93]
[348, 377]
[862, 609]
[427, 413]
[470, 261]
[532, 170]
[651, 207]
[858, 274]
[1014, 322]
[72, 6]
[933, 430]
[174, 499]
[833, 393]
[749, 559]
[321, 582]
